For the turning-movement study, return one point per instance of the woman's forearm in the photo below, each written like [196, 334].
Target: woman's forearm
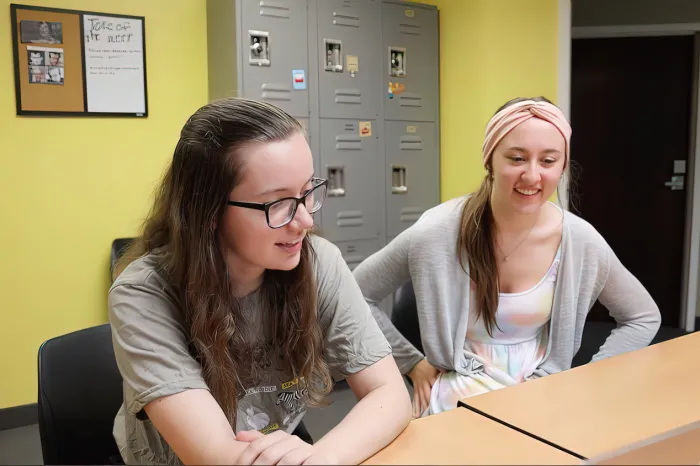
[371, 425]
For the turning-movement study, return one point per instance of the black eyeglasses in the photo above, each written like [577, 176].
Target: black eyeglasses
[282, 211]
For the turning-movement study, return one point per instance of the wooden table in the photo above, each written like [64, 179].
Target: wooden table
[460, 436]
[603, 406]
[680, 446]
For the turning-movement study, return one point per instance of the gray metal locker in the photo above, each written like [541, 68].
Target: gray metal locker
[410, 56]
[412, 173]
[277, 50]
[349, 34]
[354, 252]
[354, 171]
[274, 53]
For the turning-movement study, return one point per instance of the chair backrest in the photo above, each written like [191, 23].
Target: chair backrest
[80, 392]
[119, 246]
[404, 315]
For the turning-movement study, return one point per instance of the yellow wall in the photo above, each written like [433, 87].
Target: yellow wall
[68, 186]
[491, 51]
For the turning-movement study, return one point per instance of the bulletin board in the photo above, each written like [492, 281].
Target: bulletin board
[78, 63]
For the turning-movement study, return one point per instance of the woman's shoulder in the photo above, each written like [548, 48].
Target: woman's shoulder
[587, 241]
[323, 249]
[438, 227]
[143, 288]
[326, 258]
[141, 272]
[449, 210]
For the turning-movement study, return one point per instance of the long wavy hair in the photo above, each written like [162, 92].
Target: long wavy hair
[476, 243]
[182, 226]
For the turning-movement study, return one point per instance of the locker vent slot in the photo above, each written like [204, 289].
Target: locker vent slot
[411, 143]
[275, 9]
[346, 16]
[409, 29]
[346, 19]
[410, 214]
[350, 218]
[348, 96]
[348, 143]
[410, 100]
[276, 91]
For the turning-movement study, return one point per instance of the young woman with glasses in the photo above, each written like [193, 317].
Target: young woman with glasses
[229, 318]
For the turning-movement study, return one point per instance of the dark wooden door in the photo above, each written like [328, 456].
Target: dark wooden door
[631, 113]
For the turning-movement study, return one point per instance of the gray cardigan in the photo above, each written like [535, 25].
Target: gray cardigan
[426, 254]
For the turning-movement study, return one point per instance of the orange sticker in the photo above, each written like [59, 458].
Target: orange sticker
[365, 129]
[397, 88]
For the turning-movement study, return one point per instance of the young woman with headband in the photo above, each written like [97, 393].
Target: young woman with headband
[504, 279]
[229, 318]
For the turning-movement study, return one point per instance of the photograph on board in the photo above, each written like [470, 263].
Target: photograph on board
[41, 32]
[55, 75]
[45, 65]
[38, 74]
[36, 57]
[55, 58]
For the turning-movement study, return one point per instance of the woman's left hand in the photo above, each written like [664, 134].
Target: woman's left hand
[278, 447]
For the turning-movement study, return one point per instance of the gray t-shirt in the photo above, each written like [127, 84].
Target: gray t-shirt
[154, 357]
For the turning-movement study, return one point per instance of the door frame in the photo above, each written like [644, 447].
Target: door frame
[691, 248]
[564, 31]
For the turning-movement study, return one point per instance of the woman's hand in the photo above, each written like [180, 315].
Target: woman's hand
[278, 447]
[423, 375]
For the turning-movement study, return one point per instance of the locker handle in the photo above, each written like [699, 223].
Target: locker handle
[259, 48]
[336, 181]
[398, 180]
[337, 192]
[397, 61]
[333, 55]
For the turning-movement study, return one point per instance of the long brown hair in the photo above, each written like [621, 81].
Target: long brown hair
[189, 204]
[475, 243]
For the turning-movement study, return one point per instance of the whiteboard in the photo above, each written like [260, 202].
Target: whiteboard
[115, 66]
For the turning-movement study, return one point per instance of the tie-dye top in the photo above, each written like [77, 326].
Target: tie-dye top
[512, 354]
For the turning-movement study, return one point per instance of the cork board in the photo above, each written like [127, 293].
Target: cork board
[78, 63]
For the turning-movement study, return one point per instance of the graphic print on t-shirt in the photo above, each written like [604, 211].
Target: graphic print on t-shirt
[278, 404]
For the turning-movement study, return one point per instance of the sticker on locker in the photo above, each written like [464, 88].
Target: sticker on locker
[365, 129]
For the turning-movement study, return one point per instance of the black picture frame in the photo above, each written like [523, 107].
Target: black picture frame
[85, 113]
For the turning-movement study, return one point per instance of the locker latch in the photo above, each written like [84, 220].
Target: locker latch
[336, 181]
[333, 50]
[259, 48]
[397, 61]
[398, 180]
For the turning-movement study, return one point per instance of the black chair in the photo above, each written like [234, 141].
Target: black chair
[404, 315]
[119, 246]
[80, 392]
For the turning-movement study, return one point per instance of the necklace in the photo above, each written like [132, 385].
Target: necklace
[506, 256]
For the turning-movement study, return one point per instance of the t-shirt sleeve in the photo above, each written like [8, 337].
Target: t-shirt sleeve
[353, 340]
[150, 345]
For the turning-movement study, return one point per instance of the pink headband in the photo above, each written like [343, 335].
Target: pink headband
[507, 119]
